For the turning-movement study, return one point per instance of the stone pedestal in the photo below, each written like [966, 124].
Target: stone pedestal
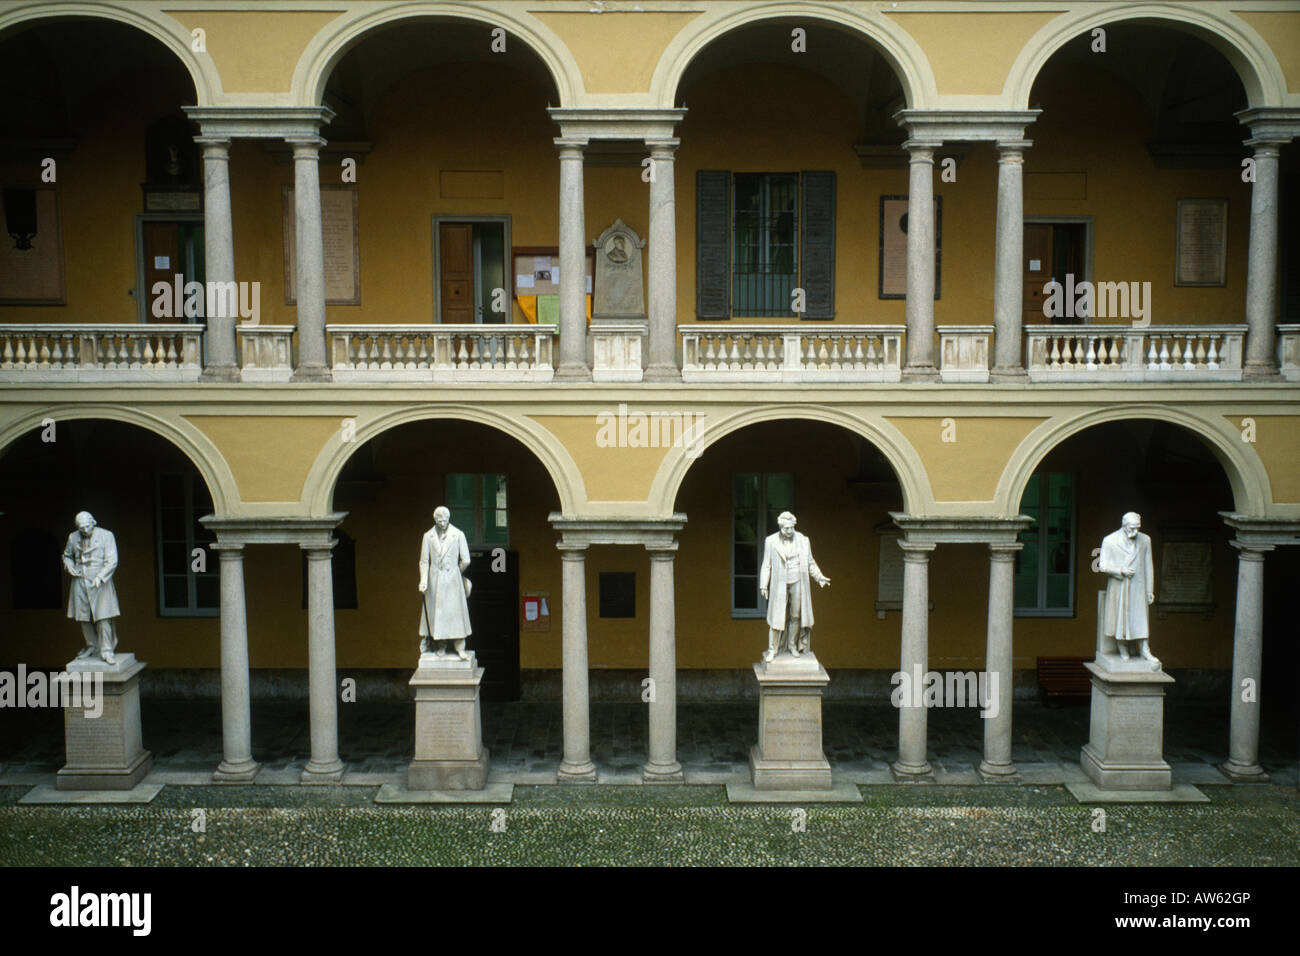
[449, 751]
[789, 754]
[105, 752]
[1125, 750]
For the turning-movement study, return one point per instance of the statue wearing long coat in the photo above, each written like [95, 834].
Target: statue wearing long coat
[1126, 598]
[94, 557]
[776, 578]
[441, 564]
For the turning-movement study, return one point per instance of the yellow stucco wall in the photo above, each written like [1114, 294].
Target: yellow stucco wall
[1281, 30]
[269, 455]
[255, 51]
[972, 53]
[964, 456]
[616, 51]
[1277, 442]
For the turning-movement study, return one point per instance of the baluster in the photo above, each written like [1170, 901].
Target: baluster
[45, 352]
[422, 358]
[1164, 353]
[22, 352]
[835, 352]
[171, 360]
[7, 360]
[1212, 360]
[134, 343]
[872, 359]
[1091, 356]
[823, 354]
[1054, 358]
[512, 361]
[1153, 357]
[56, 358]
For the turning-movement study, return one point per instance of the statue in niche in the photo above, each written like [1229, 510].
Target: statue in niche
[1126, 559]
[90, 558]
[785, 583]
[444, 617]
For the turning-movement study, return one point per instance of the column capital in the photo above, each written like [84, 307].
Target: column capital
[570, 146]
[922, 150]
[215, 147]
[1004, 550]
[1012, 150]
[916, 550]
[662, 148]
[1248, 550]
[1257, 533]
[318, 549]
[1270, 125]
[305, 147]
[228, 549]
[571, 551]
[661, 550]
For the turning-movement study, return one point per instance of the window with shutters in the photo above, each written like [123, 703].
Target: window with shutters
[759, 238]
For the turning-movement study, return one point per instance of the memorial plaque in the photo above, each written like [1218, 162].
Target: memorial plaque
[340, 229]
[889, 574]
[1201, 257]
[32, 276]
[619, 288]
[1186, 576]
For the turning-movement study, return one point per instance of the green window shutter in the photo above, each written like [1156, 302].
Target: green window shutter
[713, 244]
[818, 248]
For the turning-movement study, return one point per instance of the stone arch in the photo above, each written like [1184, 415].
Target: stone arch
[1250, 490]
[902, 458]
[200, 67]
[896, 45]
[318, 490]
[190, 442]
[329, 46]
[1250, 56]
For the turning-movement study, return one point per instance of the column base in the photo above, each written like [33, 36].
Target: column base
[572, 373]
[318, 773]
[576, 773]
[662, 773]
[912, 772]
[220, 373]
[242, 772]
[662, 373]
[1009, 375]
[920, 373]
[1243, 773]
[311, 373]
[1261, 372]
[998, 772]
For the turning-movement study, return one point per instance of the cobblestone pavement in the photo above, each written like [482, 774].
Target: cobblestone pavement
[953, 821]
[678, 826]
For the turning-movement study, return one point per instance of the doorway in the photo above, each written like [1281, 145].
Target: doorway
[470, 268]
[167, 247]
[1053, 250]
[494, 622]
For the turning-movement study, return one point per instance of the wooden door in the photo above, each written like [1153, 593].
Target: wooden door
[161, 264]
[456, 271]
[1038, 270]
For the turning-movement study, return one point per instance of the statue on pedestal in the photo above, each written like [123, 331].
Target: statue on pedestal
[444, 617]
[1126, 558]
[784, 582]
[91, 558]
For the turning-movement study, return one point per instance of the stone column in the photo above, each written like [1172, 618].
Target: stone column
[1247, 640]
[237, 765]
[310, 274]
[1008, 265]
[997, 764]
[916, 624]
[220, 359]
[1261, 264]
[573, 266]
[324, 765]
[662, 291]
[576, 765]
[920, 365]
[663, 766]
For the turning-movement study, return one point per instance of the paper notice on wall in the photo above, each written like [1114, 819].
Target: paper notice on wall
[555, 275]
[524, 282]
[588, 285]
[162, 262]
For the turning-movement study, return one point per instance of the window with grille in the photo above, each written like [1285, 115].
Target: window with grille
[765, 252]
[757, 499]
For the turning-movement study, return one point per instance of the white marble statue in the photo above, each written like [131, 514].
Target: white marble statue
[1126, 559]
[784, 583]
[91, 558]
[444, 617]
